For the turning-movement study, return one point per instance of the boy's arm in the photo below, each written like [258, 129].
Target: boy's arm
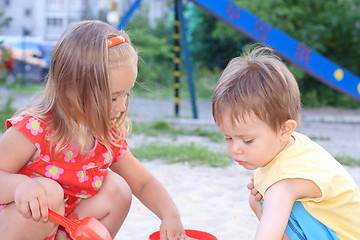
[278, 202]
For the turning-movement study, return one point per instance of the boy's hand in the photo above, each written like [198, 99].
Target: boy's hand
[255, 193]
[31, 200]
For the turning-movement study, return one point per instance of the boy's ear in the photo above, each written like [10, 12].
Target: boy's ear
[288, 128]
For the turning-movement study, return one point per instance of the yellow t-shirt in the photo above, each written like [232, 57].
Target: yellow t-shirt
[339, 206]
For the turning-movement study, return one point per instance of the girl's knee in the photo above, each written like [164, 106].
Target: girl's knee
[12, 220]
[114, 198]
[54, 192]
[117, 189]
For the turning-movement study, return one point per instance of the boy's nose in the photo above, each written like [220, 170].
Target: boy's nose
[237, 148]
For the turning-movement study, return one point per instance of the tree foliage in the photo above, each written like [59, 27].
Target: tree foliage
[4, 53]
[155, 46]
[330, 27]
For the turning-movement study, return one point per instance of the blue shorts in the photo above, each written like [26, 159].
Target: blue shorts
[303, 226]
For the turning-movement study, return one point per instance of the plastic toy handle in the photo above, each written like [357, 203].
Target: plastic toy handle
[59, 219]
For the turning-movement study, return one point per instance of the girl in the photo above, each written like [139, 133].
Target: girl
[57, 154]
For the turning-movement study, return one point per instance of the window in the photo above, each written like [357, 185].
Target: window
[70, 20]
[7, 23]
[54, 22]
[55, 3]
[85, 3]
[27, 12]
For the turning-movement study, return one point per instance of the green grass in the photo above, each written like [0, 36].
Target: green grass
[316, 138]
[30, 88]
[195, 155]
[190, 153]
[162, 127]
[184, 153]
[6, 111]
[346, 160]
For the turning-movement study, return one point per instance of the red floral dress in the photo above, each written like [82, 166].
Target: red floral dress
[80, 175]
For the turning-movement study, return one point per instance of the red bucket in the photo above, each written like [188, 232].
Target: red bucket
[190, 233]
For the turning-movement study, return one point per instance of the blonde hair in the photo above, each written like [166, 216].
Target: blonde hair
[257, 83]
[77, 93]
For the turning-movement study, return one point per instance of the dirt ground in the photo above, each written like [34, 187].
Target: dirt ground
[335, 130]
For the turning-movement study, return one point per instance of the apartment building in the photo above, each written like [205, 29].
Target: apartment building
[42, 19]
[47, 19]
[37, 24]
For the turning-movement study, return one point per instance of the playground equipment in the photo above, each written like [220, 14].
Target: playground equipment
[264, 33]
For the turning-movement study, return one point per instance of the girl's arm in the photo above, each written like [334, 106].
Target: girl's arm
[278, 202]
[29, 195]
[15, 151]
[150, 192]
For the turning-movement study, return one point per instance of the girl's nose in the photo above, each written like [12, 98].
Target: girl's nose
[120, 105]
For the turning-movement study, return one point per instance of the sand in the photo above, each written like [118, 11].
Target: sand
[209, 199]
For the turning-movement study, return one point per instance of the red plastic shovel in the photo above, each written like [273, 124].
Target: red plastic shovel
[88, 228]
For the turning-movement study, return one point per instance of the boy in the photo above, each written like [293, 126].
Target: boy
[306, 193]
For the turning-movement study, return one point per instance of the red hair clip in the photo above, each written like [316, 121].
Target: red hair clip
[115, 40]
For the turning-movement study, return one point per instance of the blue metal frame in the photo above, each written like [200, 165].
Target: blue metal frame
[129, 14]
[187, 58]
[126, 19]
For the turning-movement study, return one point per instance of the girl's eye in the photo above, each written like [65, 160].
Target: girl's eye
[248, 141]
[125, 96]
[228, 138]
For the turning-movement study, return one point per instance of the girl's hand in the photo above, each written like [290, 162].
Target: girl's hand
[172, 229]
[31, 200]
[253, 192]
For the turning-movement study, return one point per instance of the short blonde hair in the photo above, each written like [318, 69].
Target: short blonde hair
[257, 83]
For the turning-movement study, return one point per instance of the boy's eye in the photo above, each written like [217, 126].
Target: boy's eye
[227, 138]
[248, 141]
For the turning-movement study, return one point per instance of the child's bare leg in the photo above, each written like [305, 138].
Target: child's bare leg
[16, 227]
[111, 205]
